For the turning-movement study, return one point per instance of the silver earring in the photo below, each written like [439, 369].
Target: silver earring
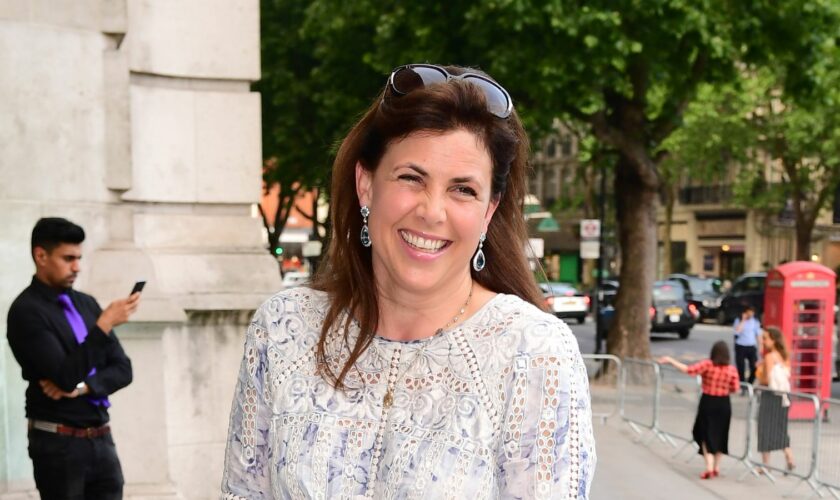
[479, 261]
[365, 235]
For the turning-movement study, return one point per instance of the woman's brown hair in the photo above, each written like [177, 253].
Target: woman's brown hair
[346, 274]
[778, 341]
[720, 354]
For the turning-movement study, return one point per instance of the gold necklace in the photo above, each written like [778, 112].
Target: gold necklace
[388, 400]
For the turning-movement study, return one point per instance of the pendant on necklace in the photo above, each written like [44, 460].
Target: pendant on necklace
[388, 400]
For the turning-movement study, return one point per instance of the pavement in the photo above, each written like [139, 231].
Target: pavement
[632, 470]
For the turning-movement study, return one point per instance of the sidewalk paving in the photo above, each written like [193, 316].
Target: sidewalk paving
[631, 470]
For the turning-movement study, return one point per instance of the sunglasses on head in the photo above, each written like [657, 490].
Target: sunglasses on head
[411, 77]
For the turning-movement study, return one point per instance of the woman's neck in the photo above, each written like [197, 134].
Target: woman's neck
[410, 316]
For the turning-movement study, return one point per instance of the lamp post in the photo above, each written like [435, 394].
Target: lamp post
[599, 337]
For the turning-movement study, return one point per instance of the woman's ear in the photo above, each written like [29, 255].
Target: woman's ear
[491, 209]
[364, 184]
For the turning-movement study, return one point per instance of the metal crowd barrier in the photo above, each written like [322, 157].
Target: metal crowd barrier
[640, 392]
[679, 396]
[828, 452]
[802, 413]
[604, 372]
[740, 426]
[662, 401]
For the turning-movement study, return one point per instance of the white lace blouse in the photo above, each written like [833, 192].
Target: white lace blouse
[495, 407]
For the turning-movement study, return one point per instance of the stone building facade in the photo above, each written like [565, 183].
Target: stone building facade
[135, 119]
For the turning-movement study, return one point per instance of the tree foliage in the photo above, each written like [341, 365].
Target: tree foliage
[627, 69]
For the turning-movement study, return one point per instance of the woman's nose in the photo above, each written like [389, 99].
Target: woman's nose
[433, 208]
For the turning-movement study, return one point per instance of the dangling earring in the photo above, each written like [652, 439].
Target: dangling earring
[479, 261]
[365, 235]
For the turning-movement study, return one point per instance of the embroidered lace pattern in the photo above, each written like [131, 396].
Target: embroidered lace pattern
[495, 407]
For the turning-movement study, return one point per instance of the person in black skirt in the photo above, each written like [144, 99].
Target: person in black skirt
[711, 427]
[774, 374]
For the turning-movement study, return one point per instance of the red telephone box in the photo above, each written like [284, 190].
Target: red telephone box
[799, 300]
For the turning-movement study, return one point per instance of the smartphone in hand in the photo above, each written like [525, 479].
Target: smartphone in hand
[138, 287]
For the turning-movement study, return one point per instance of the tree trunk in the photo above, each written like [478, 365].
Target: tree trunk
[636, 215]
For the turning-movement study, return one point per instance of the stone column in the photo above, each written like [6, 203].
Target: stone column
[134, 118]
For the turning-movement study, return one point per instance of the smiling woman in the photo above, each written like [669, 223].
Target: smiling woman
[418, 363]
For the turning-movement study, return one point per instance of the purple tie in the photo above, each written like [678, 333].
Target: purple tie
[77, 323]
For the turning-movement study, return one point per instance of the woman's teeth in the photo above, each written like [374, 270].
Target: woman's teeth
[422, 243]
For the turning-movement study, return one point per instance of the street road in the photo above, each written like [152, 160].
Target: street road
[694, 348]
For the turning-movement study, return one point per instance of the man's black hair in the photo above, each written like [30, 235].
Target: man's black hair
[50, 232]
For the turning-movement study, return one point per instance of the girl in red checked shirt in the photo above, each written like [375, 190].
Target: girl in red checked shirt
[711, 427]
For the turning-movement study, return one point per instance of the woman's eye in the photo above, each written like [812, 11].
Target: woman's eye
[465, 190]
[409, 178]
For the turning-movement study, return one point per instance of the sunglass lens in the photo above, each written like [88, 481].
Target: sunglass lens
[412, 78]
[498, 103]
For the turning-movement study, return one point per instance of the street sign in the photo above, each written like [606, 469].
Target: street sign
[590, 229]
[311, 249]
[589, 249]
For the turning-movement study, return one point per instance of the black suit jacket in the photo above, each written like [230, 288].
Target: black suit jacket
[44, 345]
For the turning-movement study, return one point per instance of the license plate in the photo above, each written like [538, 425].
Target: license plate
[569, 302]
[675, 318]
[673, 310]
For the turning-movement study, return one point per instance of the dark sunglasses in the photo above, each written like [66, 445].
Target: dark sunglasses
[414, 76]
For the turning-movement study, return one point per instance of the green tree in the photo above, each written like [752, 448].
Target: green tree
[626, 68]
[629, 69]
[311, 94]
[714, 138]
[797, 145]
[783, 143]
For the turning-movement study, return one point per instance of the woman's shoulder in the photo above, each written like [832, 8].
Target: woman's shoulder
[772, 357]
[294, 310]
[516, 328]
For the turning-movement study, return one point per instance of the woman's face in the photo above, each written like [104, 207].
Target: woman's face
[767, 341]
[429, 201]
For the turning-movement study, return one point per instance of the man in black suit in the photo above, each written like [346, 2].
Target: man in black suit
[69, 354]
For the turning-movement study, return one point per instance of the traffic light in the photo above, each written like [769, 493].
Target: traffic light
[278, 251]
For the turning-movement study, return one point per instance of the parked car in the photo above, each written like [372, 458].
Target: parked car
[565, 301]
[670, 311]
[294, 278]
[748, 290]
[703, 292]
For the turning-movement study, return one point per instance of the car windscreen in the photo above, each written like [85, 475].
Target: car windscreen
[701, 286]
[667, 291]
[558, 289]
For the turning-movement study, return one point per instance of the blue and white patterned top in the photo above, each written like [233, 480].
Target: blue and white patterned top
[497, 407]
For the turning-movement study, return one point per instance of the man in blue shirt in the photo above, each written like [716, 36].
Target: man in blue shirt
[747, 331]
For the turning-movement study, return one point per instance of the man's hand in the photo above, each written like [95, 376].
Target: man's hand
[54, 392]
[117, 313]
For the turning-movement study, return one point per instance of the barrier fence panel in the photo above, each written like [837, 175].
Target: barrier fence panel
[604, 372]
[773, 431]
[679, 397]
[828, 454]
[639, 393]
[664, 401]
[740, 426]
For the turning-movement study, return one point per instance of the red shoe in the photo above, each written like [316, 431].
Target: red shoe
[715, 473]
[707, 475]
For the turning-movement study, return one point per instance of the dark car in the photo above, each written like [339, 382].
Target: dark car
[748, 290]
[608, 292]
[670, 311]
[703, 292]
